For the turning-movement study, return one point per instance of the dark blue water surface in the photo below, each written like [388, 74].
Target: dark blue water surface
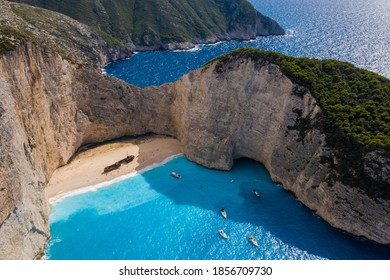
[357, 31]
[156, 216]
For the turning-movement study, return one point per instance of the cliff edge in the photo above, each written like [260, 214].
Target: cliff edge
[235, 106]
[166, 24]
[244, 105]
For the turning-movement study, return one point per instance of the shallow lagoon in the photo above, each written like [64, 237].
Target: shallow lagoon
[156, 216]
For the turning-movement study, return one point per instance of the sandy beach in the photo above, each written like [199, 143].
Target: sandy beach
[86, 168]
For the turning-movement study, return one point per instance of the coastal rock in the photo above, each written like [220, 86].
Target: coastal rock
[50, 107]
[249, 109]
[243, 108]
[145, 25]
[75, 41]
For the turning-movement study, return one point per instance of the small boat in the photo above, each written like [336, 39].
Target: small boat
[176, 175]
[223, 234]
[223, 213]
[256, 193]
[253, 240]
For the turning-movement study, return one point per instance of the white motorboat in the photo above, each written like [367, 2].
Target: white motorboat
[223, 213]
[256, 193]
[176, 175]
[223, 234]
[253, 240]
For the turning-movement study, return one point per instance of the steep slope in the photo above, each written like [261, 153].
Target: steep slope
[71, 39]
[355, 119]
[244, 105]
[48, 108]
[235, 106]
[149, 24]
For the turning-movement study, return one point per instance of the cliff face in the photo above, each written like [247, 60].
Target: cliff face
[73, 40]
[49, 107]
[163, 24]
[250, 109]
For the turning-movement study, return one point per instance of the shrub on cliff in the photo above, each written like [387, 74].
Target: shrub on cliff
[10, 38]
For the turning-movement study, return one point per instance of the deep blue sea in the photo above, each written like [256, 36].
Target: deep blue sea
[155, 216]
[357, 31]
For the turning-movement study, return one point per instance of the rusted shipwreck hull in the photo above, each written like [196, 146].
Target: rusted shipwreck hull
[118, 164]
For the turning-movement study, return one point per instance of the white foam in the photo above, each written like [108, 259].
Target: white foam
[194, 49]
[93, 188]
[104, 72]
[215, 44]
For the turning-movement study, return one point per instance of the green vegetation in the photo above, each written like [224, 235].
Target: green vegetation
[31, 145]
[10, 38]
[356, 110]
[111, 41]
[147, 22]
[75, 42]
[356, 102]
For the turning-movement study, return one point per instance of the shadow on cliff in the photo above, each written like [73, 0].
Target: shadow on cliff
[276, 212]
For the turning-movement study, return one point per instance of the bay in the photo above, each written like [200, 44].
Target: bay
[156, 216]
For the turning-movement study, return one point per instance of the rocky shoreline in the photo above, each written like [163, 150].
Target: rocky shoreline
[50, 107]
[53, 100]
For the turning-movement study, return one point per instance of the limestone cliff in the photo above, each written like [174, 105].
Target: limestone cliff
[50, 106]
[248, 108]
[73, 40]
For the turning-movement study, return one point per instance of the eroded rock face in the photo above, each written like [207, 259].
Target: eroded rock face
[250, 109]
[50, 107]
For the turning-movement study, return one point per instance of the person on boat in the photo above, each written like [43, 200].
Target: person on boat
[251, 237]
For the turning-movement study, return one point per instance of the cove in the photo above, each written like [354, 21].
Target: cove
[156, 216]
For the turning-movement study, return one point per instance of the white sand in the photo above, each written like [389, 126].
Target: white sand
[87, 167]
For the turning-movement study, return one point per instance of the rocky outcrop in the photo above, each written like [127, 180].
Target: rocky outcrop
[163, 24]
[73, 40]
[86, 45]
[262, 26]
[50, 106]
[250, 109]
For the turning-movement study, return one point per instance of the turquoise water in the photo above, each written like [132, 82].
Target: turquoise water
[356, 31]
[155, 216]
